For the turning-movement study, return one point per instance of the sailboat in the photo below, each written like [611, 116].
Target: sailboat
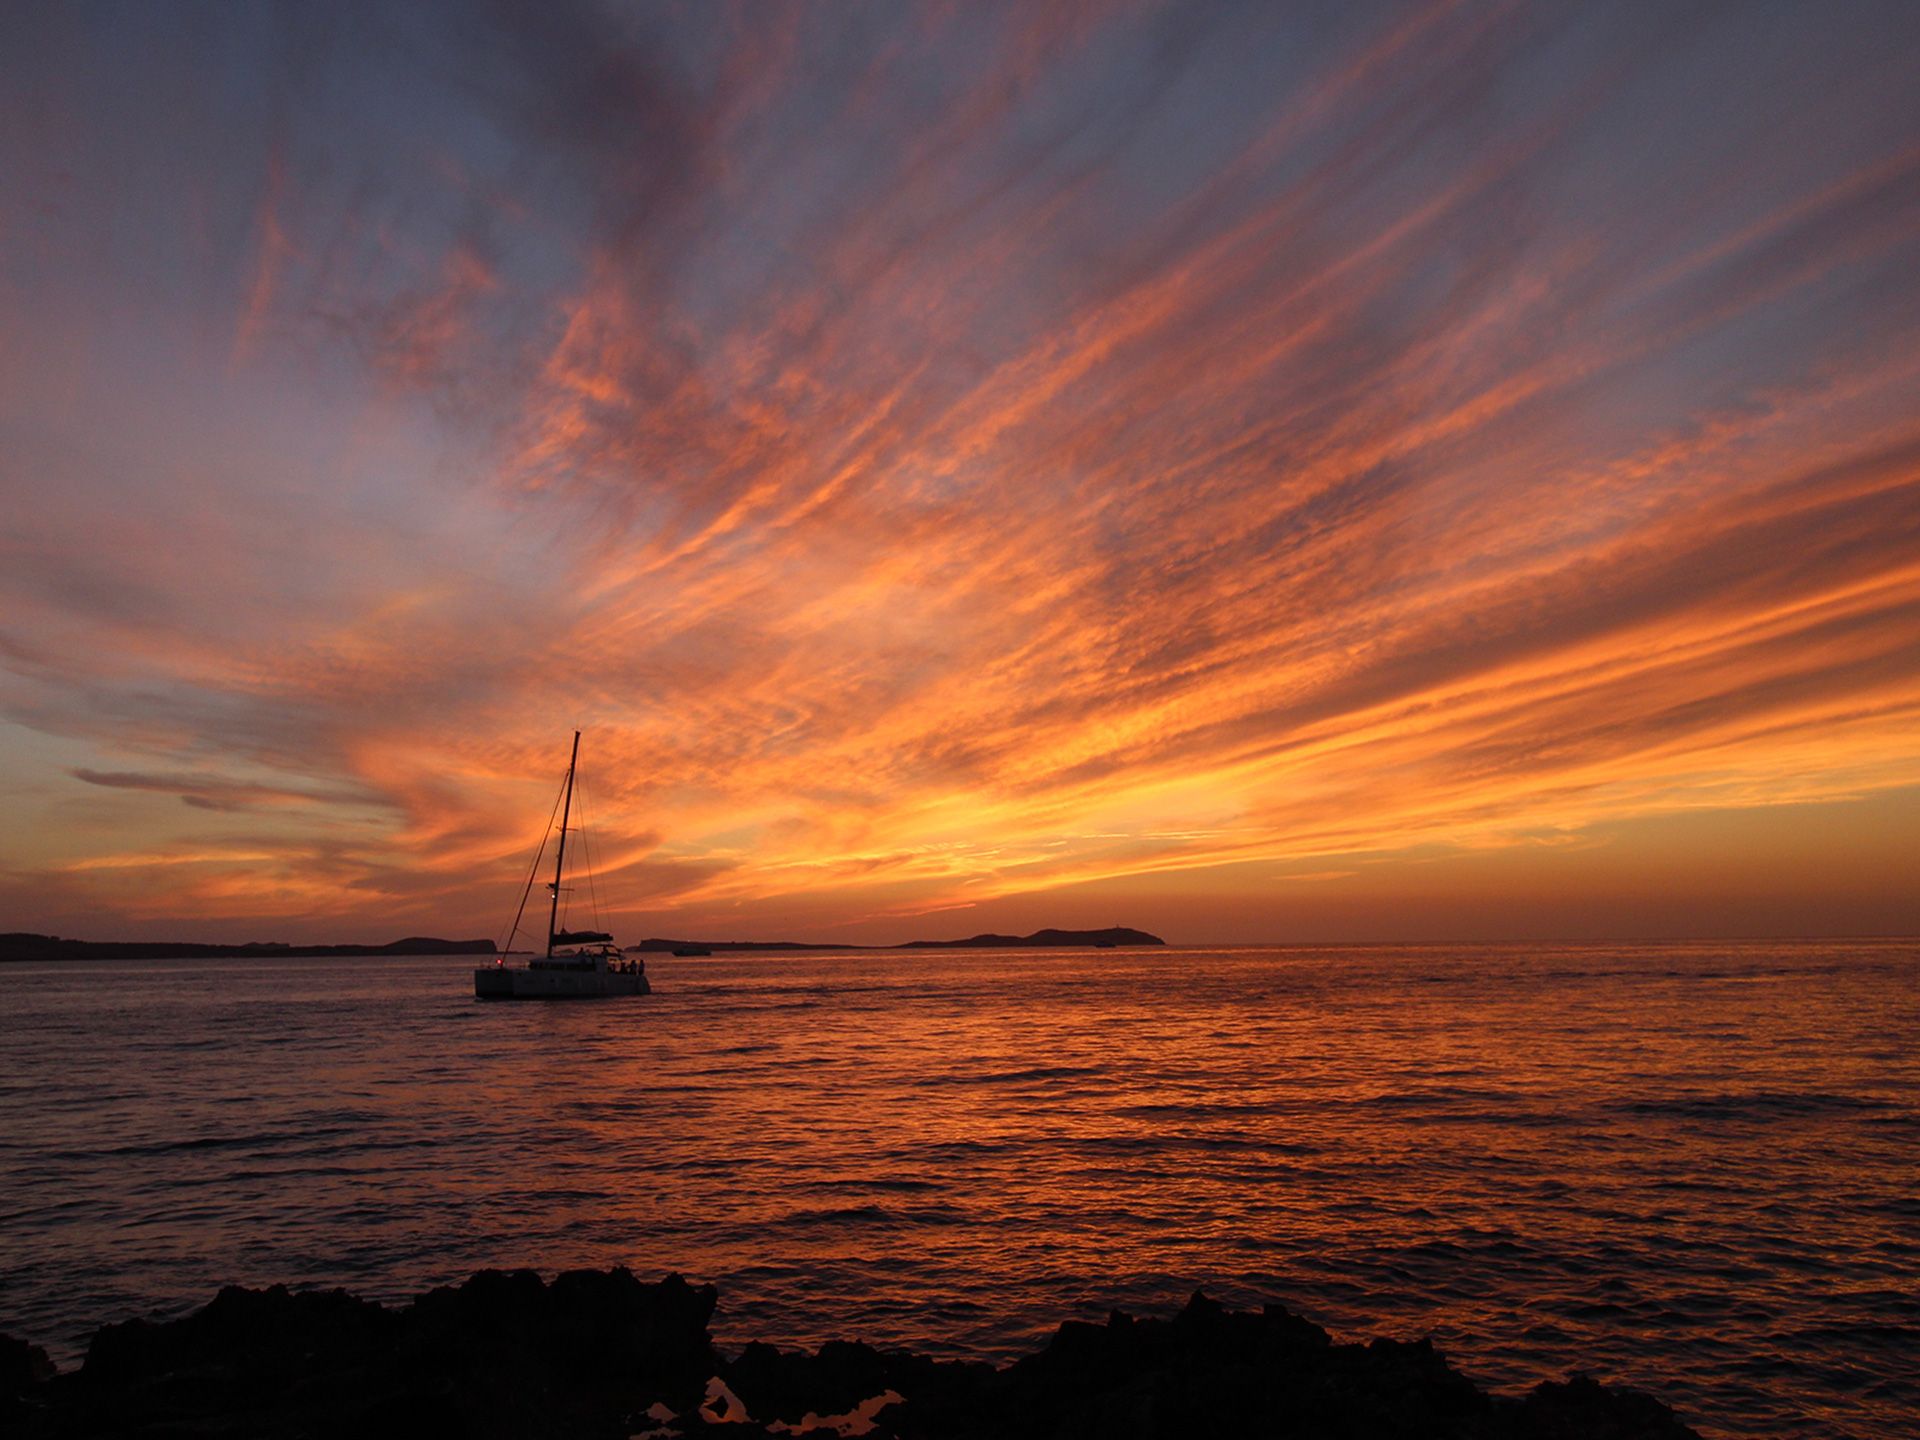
[579, 964]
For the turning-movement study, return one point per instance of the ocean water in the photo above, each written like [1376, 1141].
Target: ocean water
[1688, 1167]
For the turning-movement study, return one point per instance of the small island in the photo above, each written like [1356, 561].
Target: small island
[1111, 938]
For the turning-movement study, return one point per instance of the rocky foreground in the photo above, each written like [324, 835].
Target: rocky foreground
[598, 1353]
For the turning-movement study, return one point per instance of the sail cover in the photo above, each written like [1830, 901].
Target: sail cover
[579, 937]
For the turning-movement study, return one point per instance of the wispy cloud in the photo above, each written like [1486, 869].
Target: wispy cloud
[952, 454]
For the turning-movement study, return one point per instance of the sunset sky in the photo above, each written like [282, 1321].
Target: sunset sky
[1252, 472]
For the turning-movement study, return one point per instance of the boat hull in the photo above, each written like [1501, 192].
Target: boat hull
[502, 982]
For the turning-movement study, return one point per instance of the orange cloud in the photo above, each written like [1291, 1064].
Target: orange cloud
[988, 460]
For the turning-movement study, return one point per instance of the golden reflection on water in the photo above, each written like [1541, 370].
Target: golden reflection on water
[1684, 1166]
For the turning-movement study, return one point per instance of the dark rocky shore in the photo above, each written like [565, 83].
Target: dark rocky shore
[598, 1353]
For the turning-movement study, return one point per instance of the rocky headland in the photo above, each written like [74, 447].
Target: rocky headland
[601, 1354]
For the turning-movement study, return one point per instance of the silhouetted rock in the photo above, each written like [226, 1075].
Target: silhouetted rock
[1207, 1371]
[1214, 1372]
[787, 1386]
[22, 1366]
[500, 1355]
[1582, 1406]
[598, 1353]
[24, 1369]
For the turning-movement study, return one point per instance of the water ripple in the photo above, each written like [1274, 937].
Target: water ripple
[1686, 1167]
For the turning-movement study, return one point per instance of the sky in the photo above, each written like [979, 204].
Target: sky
[1251, 472]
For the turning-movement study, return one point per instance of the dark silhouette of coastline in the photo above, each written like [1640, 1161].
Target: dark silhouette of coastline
[1115, 936]
[19, 946]
[598, 1353]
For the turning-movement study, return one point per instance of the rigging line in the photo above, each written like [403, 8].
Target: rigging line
[580, 829]
[586, 847]
[534, 870]
[579, 833]
[581, 849]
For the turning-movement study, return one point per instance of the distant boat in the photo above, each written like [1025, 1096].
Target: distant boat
[579, 964]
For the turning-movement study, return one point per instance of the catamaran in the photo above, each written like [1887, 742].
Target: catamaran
[579, 964]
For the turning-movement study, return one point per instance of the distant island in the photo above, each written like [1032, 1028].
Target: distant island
[1100, 939]
[20, 946]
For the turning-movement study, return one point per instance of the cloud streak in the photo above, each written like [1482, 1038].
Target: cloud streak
[959, 457]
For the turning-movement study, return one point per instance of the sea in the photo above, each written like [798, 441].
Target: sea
[1692, 1168]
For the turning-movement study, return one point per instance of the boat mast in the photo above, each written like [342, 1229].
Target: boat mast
[553, 915]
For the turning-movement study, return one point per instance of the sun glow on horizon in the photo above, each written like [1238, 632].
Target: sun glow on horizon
[1409, 471]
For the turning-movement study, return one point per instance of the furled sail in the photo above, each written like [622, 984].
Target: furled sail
[580, 937]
